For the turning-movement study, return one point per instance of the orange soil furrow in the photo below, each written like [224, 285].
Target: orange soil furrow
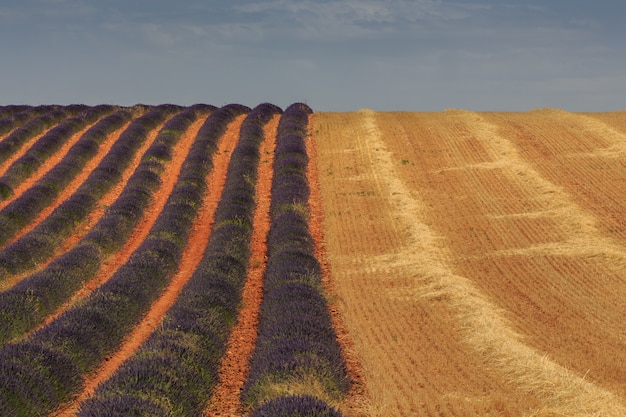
[92, 219]
[20, 152]
[71, 188]
[234, 366]
[191, 256]
[117, 259]
[357, 402]
[46, 166]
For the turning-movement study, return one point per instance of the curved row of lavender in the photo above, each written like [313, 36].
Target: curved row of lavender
[174, 372]
[297, 345]
[25, 127]
[8, 111]
[36, 246]
[47, 145]
[12, 117]
[26, 304]
[41, 372]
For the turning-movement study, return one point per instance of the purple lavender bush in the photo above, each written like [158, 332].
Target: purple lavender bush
[296, 342]
[177, 366]
[295, 406]
[95, 327]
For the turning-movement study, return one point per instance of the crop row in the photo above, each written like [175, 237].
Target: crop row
[26, 132]
[297, 367]
[23, 209]
[47, 368]
[297, 348]
[41, 242]
[173, 372]
[26, 304]
[10, 110]
[18, 116]
[47, 145]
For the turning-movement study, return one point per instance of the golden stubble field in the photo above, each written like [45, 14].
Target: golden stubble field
[479, 259]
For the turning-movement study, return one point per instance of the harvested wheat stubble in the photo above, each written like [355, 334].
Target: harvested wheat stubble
[357, 401]
[463, 205]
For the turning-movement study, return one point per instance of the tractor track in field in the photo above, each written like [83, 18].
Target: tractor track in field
[357, 402]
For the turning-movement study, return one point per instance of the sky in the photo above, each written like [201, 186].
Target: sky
[335, 55]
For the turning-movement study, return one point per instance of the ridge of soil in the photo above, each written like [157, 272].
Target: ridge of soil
[191, 256]
[234, 367]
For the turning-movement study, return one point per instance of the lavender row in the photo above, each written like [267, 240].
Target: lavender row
[295, 406]
[297, 344]
[13, 118]
[26, 207]
[175, 371]
[26, 304]
[39, 243]
[60, 354]
[46, 146]
[51, 116]
[11, 109]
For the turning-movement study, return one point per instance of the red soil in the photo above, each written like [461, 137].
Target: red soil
[234, 367]
[190, 258]
[92, 219]
[74, 184]
[47, 165]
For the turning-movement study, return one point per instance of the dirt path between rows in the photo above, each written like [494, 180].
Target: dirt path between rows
[23, 149]
[92, 219]
[191, 256]
[46, 166]
[71, 188]
[234, 367]
[416, 207]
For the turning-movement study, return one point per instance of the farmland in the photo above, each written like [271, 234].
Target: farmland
[223, 261]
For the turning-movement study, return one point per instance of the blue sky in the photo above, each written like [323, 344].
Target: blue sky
[336, 55]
